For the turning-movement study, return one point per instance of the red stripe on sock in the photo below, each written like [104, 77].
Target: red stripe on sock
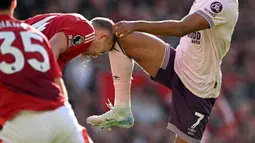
[85, 135]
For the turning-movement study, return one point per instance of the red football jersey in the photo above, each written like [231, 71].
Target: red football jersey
[78, 31]
[27, 69]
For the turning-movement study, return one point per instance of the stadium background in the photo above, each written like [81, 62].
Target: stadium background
[89, 81]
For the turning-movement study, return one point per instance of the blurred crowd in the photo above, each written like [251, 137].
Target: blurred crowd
[89, 80]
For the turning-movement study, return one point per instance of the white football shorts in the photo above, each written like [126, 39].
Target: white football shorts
[56, 126]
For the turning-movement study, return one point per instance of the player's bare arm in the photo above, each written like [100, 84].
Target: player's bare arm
[189, 24]
[58, 43]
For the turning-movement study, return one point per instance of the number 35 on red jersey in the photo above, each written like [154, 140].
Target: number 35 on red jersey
[26, 61]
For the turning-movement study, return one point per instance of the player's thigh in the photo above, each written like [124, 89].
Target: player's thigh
[149, 58]
[27, 127]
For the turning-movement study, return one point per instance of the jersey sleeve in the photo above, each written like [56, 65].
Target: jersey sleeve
[78, 32]
[215, 12]
[54, 67]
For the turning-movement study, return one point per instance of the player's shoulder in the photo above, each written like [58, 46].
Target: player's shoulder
[17, 26]
[222, 6]
[32, 29]
[40, 17]
[77, 23]
[74, 16]
[13, 24]
[218, 9]
[77, 19]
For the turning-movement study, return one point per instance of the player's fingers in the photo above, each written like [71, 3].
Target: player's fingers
[115, 26]
[115, 30]
[124, 34]
[119, 31]
[118, 24]
[119, 28]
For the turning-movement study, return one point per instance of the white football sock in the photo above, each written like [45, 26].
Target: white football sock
[122, 69]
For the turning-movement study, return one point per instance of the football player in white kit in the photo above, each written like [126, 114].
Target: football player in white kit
[192, 71]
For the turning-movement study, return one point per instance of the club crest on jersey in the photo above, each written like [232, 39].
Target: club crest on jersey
[216, 7]
[77, 40]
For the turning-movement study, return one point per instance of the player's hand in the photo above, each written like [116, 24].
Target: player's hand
[123, 28]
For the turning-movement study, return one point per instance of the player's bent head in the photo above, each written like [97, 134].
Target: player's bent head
[7, 4]
[102, 23]
[104, 36]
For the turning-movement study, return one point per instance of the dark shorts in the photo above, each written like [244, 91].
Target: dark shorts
[189, 113]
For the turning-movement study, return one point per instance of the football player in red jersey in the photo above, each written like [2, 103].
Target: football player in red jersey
[70, 35]
[33, 101]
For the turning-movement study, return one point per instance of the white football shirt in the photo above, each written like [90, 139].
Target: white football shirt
[199, 54]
